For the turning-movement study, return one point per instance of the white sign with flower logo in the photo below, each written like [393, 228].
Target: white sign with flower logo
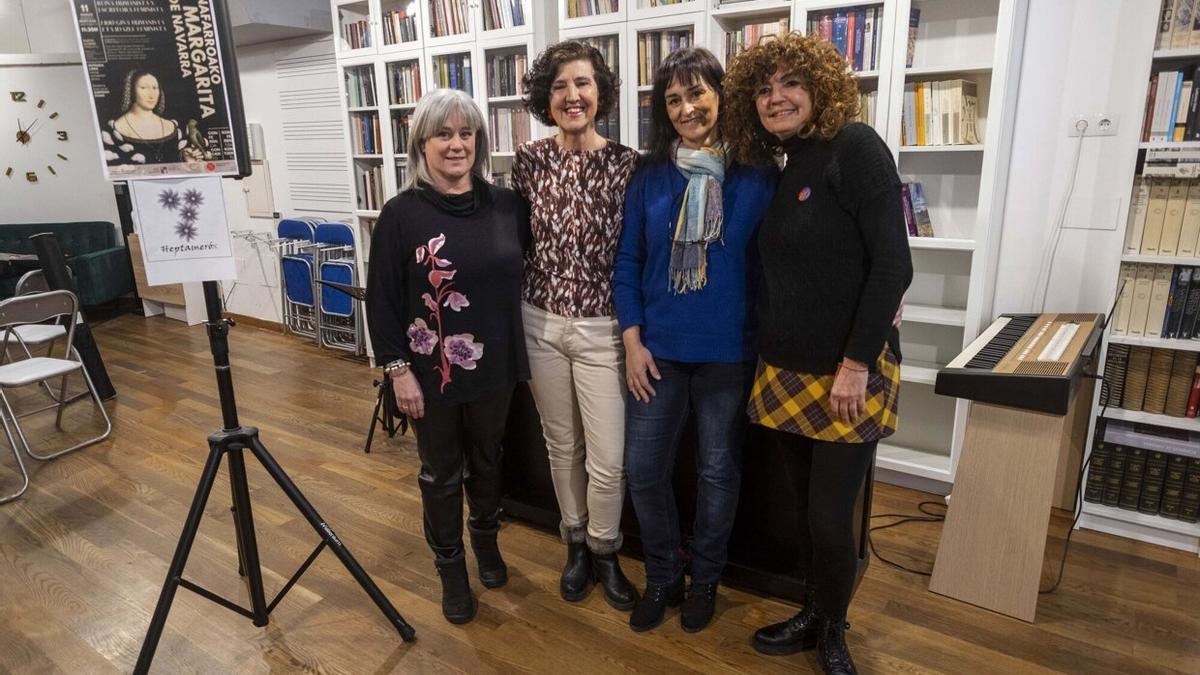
[183, 228]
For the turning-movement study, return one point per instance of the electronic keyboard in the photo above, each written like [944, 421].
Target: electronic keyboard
[1028, 361]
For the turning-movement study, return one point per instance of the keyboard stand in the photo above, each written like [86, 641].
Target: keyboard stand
[1015, 465]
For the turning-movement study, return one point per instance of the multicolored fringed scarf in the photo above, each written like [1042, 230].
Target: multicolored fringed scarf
[700, 217]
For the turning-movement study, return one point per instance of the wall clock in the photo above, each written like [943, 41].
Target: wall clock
[42, 142]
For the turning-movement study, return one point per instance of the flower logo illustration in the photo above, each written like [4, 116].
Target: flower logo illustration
[457, 350]
[188, 205]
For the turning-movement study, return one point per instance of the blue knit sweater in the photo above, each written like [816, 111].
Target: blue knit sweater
[712, 325]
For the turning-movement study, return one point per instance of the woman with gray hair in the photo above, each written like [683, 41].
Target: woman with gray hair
[444, 311]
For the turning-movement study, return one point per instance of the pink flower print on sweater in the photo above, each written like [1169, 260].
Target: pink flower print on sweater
[457, 350]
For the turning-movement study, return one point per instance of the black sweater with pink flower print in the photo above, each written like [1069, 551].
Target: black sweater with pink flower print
[444, 289]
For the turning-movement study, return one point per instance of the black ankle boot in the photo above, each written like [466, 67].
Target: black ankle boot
[617, 590]
[832, 652]
[458, 605]
[699, 607]
[794, 635]
[493, 573]
[577, 573]
[649, 611]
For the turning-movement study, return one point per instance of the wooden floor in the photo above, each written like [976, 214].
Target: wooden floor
[83, 555]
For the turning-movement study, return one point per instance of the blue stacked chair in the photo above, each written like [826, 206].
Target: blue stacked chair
[340, 323]
[297, 270]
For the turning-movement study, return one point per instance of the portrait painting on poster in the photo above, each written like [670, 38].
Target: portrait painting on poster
[159, 87]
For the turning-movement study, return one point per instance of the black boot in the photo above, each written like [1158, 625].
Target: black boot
[577, 573]
[788, 637]
[617, 590]
[458, 605]
[832, 652]
[493, 573]
[699, 607]
[649, 611]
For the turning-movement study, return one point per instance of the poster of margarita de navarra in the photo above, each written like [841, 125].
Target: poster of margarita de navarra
[158, 87]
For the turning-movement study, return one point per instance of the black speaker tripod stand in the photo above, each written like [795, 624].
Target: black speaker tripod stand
[230, 443]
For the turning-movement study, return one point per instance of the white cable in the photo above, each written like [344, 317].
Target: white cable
[1045, 268]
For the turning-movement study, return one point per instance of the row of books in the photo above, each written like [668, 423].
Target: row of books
[609, 48]
[504, 73]
[644, 122]
[360, 86]
[1164, 217]
[370, 186]
[401, 125]
[916, 210]
[401, 171]
[364, 133]
[450, 17]
[1153, 480]
[868, 102]
[1158, 301]
[399, 26]
[1151, 380]
[1172, 161]
[856, 32]
[748, 36]
[509, 128]
[1172, 103]
[502, 14]
[357, 34]
[914, 22]
[653, 47]
[453, 71]
[580, 8]
[944, 112]
[609, 126]
[404, 82]
[1178, 25]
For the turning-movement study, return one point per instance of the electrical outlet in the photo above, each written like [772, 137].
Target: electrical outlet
[1094, 124]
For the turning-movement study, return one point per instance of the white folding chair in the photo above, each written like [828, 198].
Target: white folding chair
[31, 309]
[37, 334]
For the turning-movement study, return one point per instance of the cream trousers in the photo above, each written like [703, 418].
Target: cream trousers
[577, 377]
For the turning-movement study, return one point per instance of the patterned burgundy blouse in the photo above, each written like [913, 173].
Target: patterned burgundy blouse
[576, 202]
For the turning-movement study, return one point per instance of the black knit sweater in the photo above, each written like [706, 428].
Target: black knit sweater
[835, 256]
[444, 289]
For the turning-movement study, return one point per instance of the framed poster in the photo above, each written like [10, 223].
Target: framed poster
[163, 87]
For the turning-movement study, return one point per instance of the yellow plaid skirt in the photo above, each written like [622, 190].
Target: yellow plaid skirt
[798, 403]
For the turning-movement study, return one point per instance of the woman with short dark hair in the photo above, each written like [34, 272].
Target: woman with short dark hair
[444, 310]
[575, 185]
[835, 265]
[682, 287]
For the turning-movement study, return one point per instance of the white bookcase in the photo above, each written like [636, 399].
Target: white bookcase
[659, 24]
[1113, 520]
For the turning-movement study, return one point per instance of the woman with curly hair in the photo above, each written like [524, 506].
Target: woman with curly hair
[575, 185]
[835, 265]
[682, 301]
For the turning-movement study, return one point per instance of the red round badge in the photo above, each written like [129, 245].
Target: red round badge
[804, 194]
[211, 166]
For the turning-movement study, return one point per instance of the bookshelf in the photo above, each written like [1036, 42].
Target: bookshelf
[659, 31]
[1101, 517]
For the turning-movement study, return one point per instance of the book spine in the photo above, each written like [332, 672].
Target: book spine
[1189, 505]
[1113, 477]
[1172, 496]
[1097, 472]
[1131, 479]
[1152, 482]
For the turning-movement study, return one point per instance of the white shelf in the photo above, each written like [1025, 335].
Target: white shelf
[1159, 259]
[913, 461]
[1139, 417]
[362, 213]
[1169, 145]
[932, 314]
[1182, 53]
[367, 156]
[645, 88]
[363, 108]
[403, 106]
[503, 153]
[1160, 343]
[1143, 519]
[925, 71]
[506, 99]
[867, 74]
[919, 372]
[942, 148]
[941, 244]
[752, 9]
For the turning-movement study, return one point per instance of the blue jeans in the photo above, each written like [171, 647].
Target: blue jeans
[717, 393]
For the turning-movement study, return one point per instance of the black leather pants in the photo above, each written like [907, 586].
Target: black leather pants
[459, 446]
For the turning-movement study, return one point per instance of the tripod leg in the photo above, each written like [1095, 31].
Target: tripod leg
[179, 561]
[237, 528]
[247, 542]
[289, 488]
[374, 420]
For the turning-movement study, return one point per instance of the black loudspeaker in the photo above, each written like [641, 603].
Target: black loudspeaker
[54, 267]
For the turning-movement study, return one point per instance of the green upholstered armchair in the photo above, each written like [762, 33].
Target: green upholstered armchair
[94, 253]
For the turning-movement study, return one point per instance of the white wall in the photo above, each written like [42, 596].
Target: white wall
[1081, 56]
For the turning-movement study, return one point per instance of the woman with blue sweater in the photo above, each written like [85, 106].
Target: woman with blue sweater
[681, 285]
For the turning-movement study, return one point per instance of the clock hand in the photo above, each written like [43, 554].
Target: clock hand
[31, 126]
